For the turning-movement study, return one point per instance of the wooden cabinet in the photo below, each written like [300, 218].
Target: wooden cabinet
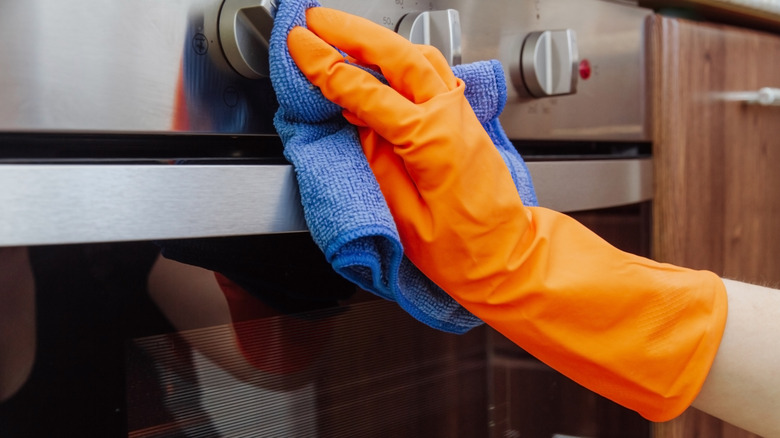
[717, 163]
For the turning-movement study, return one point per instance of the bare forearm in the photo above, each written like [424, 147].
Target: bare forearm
[743, 386]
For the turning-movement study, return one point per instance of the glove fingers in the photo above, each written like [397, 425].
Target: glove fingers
[439, 63]
[379, 106]
[403, 65]
[344, 84]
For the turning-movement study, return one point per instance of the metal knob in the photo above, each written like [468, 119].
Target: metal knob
[548, 64]
[440, 29]
[245, 32]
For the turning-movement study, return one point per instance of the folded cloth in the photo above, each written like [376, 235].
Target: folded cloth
[343, 205]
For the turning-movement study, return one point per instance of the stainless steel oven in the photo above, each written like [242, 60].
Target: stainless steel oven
[124, 124]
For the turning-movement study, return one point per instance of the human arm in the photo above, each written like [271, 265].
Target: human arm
[743, 385]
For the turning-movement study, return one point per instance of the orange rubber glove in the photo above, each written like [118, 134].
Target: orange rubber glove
[641, 333]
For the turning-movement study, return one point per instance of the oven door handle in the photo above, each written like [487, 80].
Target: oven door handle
[48, 204]
[577, 185]
[59, 204]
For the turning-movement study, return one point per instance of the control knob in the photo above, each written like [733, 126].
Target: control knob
[548, 64]
[440, 29]
[245, 33]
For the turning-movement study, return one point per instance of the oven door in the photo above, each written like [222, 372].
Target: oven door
[112, 340]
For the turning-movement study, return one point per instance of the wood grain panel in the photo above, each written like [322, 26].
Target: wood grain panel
[717, 194]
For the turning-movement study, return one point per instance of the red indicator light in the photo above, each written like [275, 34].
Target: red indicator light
[585, 69]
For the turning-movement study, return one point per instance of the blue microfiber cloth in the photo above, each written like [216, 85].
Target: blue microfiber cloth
[343, 206]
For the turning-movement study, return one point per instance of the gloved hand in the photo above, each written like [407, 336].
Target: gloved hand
[641, 333]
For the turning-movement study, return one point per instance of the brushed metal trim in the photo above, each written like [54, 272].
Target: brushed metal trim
[53, 204]
[569, 186]
[59, 204]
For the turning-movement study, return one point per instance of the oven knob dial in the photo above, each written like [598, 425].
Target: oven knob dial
[548, 64]
[245, 32]
[440, 29]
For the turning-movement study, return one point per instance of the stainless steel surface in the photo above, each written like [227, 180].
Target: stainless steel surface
[548, 64]
[52, 204]
[157, 66]
[584, 185]
[92, 65]
[610, 105]
[46, 204]
[440, 29]
[59, 73]
[245, 32]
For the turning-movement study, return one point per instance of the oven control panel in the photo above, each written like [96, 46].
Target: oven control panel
[575, 69]
[548, 49]
[547, 64]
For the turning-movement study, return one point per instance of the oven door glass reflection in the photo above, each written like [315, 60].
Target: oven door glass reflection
[247, 336]
[364, 370]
